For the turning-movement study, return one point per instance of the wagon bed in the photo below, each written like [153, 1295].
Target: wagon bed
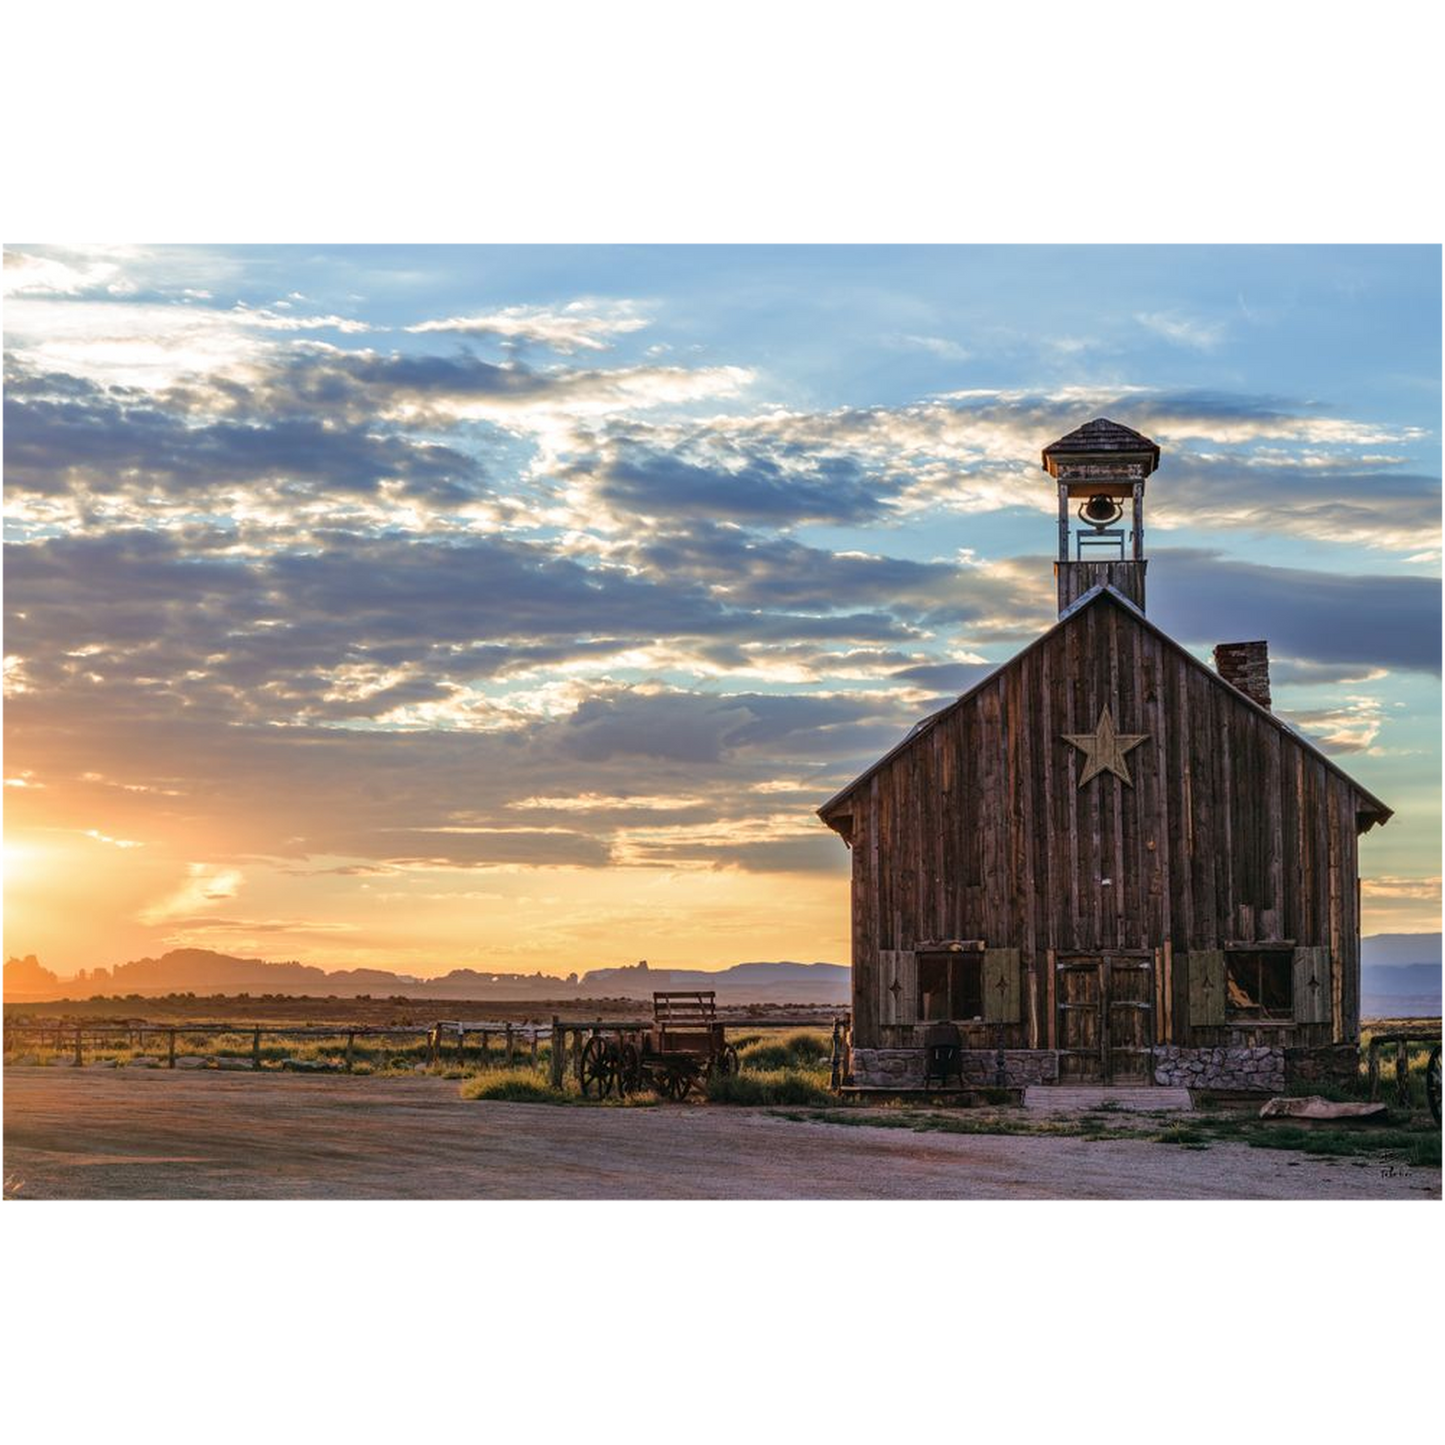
[685, 1046]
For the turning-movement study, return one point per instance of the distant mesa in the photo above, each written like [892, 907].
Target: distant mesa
[199, 970]
[1400, 976]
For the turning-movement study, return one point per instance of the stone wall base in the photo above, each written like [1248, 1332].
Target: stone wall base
[1220, 1068]
[903, 1068]
[1265, 1069]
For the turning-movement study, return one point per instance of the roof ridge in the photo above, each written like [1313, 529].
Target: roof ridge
[1088, 599]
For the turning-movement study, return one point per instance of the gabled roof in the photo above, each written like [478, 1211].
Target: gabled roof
[1093, 597]
[1101, 436]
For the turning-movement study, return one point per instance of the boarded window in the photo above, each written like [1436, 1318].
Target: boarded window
[1205, 968]
[1001, 985]
[1312, 1003]
[950, 987]
[1259, 983]
[898, 985]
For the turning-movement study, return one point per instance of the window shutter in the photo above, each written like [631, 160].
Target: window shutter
[1312, 985]
[1001, 985]
[898, 986]
[1206, 987]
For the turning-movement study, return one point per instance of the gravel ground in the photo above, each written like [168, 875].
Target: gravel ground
[156, 1134]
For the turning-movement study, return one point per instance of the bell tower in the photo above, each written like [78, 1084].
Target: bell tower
[1101, 469]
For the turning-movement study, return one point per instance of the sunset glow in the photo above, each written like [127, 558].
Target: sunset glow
[515, 608]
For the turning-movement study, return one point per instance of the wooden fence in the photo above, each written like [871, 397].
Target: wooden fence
[445, 1038]
[1401, 1042]
[514, 1038]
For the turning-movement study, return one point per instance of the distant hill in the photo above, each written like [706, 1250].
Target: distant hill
[1400, 975]
[201, 971]
[1380, 949]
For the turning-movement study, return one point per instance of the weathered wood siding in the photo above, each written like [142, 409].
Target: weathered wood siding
[978, 829]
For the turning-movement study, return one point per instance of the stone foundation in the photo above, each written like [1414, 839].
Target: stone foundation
[903, 1068]
[1221, 1068]
[1264, 1069]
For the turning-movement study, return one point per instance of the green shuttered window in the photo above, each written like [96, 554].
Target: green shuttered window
[1206, 987]
[1312, 985]
[1001, 985]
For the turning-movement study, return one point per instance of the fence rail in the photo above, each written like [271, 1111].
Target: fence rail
[1421, 1038]
[65, 1036]
[515, 1039]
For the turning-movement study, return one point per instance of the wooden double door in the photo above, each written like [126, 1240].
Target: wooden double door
[1105, 1017]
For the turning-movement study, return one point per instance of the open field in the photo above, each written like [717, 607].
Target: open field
[154, 1134]
[370, 1011]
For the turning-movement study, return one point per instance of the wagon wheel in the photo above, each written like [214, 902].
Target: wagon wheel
[596, 1068]
[1432, 1082]
[629, 1070]
[672, 1083]
[723, 1063]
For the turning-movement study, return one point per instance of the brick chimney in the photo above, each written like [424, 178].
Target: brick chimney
[1245, 665]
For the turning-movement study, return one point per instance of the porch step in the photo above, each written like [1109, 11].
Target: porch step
[1071, 1098]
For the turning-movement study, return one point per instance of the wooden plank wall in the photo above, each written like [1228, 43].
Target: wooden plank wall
[1231, 832]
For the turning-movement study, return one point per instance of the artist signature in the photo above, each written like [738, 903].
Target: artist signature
[1394, 1171]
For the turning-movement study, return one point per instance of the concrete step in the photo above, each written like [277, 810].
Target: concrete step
[1075, 1098]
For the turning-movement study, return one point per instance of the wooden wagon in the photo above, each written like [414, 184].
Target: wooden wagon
[685, 1046]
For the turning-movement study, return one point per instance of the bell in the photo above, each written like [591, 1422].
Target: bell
[1100, 511]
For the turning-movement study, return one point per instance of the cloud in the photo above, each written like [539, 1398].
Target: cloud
[1359, 621]
[100, 837]
[402, 611]
[273, 320]
[939, 346]
[1182, 330]
[148, 344]
[1349, 727]
[740, 487]
[103, 444]
[1424, 890]
[1300, 672]
[444, 390]
[583, 325]
[31, 275]
[205, 883]
[1380, 508]
[696, 728]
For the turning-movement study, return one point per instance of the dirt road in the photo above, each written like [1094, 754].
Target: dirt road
[134, 1134]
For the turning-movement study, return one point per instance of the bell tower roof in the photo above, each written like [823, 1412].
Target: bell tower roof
[1104, 440]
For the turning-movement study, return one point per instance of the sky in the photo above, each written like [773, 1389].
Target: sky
[514, 608]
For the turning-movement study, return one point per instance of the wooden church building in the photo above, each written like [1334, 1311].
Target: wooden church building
[1107, 861]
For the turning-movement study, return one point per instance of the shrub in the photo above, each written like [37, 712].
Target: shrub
[514, 1086]
[802, 1049]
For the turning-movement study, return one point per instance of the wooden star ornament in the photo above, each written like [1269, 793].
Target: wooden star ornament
[1104, 749]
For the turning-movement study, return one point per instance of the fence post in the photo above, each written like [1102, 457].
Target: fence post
[78, 1037]
[1402, 1071]
[1374, 1068]
[509, 1046]
[461, 1040]
[534, 1046]
[556, 1052]
[171, 1051]
[256, 1049]
[835, 1063]
[350, 1044]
